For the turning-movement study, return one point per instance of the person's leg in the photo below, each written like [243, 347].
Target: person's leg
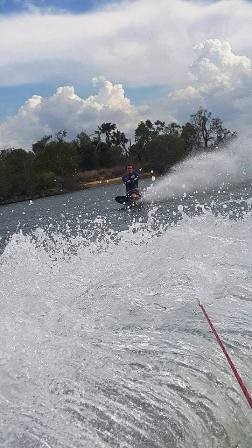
[134, 193]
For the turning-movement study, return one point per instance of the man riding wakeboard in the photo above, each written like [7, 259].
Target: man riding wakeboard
[130, 181]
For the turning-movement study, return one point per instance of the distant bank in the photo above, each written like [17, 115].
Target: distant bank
[78, 182]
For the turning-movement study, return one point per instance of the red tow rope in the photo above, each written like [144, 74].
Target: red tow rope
[230, 362]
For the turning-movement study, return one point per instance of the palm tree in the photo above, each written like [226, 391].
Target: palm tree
[107, 128]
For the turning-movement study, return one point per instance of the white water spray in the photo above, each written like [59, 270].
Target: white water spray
[206, 171]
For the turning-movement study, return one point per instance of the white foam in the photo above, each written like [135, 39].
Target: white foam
[107, 334]
[208, 170]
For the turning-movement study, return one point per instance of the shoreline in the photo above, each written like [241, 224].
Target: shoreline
[111, 181]
[81, 187]
[102, 183]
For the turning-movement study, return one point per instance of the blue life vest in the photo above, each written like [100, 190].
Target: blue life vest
[131, 180]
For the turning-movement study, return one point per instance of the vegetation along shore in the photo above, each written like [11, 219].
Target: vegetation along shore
[57, 165]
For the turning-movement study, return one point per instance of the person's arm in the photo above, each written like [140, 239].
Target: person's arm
[136, 175]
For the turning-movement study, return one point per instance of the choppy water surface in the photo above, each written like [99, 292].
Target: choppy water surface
[102, 341]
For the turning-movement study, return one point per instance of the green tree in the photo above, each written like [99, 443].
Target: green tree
[159, 126]
[222, 135]
[209, 131]
[87, 152]
[61, 135]
[173, 129]
[112, 151]
[4, 180]
[144, 133]
[164, 151]
[107, 129]
[17, 168]
[119, 139]
[40, 145]
[58, 156]
[190, 137]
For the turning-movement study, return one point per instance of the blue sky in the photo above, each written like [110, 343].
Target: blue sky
[149, 62]
[11, 98]
[75, 6]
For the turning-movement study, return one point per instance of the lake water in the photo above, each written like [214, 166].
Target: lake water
[103, 343]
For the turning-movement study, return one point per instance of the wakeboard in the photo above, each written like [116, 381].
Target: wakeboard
[129, 201]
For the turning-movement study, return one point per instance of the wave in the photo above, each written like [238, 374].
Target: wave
[103, 343]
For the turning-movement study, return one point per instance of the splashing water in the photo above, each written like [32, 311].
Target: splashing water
[206, 171]
[102, 341]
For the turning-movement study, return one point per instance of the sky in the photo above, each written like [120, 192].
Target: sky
[72, 64]
[75, 6]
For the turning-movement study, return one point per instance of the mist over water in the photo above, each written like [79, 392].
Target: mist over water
[207, 171]
[102, 340]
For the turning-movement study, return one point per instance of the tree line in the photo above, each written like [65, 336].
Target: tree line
[53, 160]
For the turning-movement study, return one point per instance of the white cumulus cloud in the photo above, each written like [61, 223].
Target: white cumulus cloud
[199, 51]
[138, 42]
[65, 109]
[221, 81]
[218, 68]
